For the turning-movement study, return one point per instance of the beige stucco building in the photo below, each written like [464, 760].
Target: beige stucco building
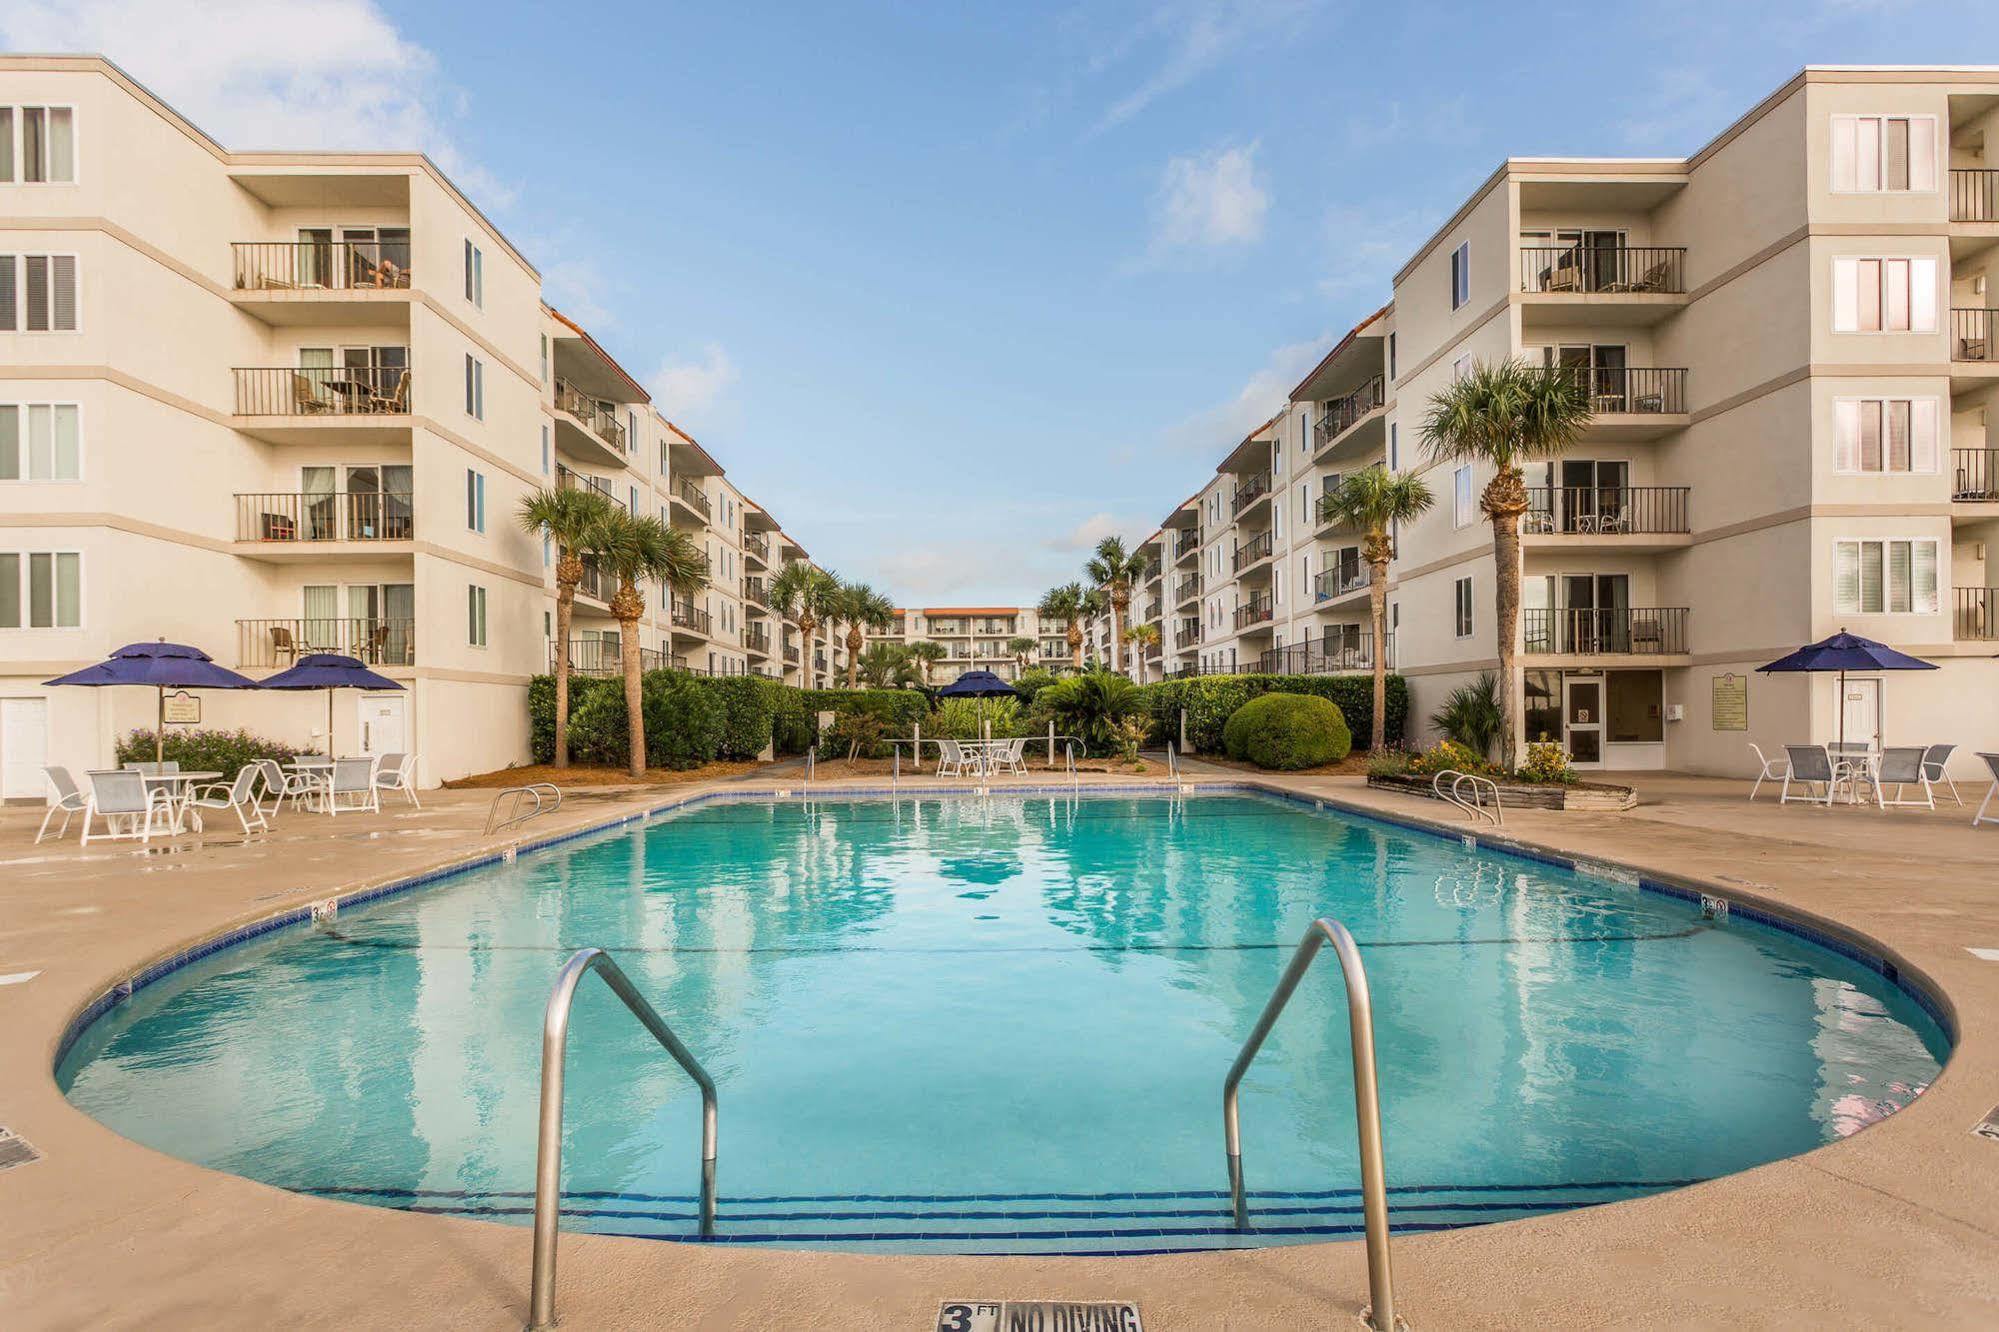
[273, 403]
[981, 638]
[1788, 340]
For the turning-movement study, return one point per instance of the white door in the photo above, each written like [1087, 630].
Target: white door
[1582, 720]
[1861, 708]
[384, 724]
[24, 738]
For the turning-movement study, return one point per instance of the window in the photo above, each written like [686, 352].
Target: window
[1461, 276]
[1461, 367]
[631, 431]
[475, 387]
[1393, 453]
[475, 500]
[544, 450]
[1885, 434]
[544, 358]
[37, 145]
[1884, 295]
[475, 612]
[1463, 512]
[53, 597]
[632, 494]
[545, 550]
[38, 442]
[1462, 589]
[1881, 153]
[1885, 577]
[1391, 358]
[475, 275]
[37, 293]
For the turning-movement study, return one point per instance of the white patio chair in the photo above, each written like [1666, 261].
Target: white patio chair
[69, 802]
[1808, 766]
[353, 778]
[1012, 755]
[1902, 766]
[1991, 762]
[154, 769]
[1774, 770]
[952, 759]
[122, 794]
[398, 773]
[239, 797]
[1936, 764]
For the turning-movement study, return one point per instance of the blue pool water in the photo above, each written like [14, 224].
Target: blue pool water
[1001, 1025]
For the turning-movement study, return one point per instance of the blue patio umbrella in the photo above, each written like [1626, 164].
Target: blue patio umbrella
[981, 685]
[162, 665]
[328, 671]
[1845, 652]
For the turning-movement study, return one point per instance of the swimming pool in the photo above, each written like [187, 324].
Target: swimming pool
[1001, 1025]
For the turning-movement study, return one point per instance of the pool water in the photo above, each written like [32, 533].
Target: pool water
[1001, 1025]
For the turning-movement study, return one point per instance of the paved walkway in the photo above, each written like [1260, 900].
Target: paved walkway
[1890, 1228]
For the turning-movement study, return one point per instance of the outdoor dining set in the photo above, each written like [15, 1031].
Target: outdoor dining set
[143, 800]
[1859, 774]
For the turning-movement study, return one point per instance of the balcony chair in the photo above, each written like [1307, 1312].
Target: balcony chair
[69, 801]
[123, 794]
[239, 797]
[1936, 759]
[1899, 767]
[353, 778]
[1812, 765]
[305, 397]
[1991, 762]
[395, 403]
[397, 772]
[1773, 770]
[1654, 280]
[282, 643]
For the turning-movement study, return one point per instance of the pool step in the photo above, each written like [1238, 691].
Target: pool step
[995, 1223]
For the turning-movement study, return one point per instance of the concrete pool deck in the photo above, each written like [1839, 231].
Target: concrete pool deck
[1897, 1226]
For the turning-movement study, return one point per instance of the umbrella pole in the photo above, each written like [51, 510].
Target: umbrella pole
[160, 727]
[329, 723]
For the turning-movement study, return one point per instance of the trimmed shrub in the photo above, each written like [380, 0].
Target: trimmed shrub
[1287, 732]
[1449, 754]
[1093, 706]
[599, 731]
[685, 720]
[899, 709]
[1546, 762]
[749, 706]
[958, 719]
[226, 752]
[1032, 682]
[1211, 700]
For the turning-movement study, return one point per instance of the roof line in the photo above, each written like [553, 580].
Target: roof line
[578, 329]
[1339, 347]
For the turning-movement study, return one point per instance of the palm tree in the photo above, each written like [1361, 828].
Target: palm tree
[1373, 500]
[635, 550]
[565, 516]
[888, 666]
[926, 654]
[1022, 647]
[1141, 637]
[1069, 603]
[803, 593]
[1117, 573]
[859, 606]
[1504, 414]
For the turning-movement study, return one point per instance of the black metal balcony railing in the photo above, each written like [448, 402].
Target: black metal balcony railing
[1256, 548]
[757, 639]
[1640, 631]
[1252, 489]
[1342, 413]
[1974, 474]
[995, 627]
[1606, 510]
[1334, 654]
[693, 495]
[756, 549]
[791, 653]
[1340, 580]
[1187, 630]
[346, 516]
[1971, 334]
[754, 592]
[378, 642]
[1186, 543]
[322, 390]
[1974, 195]
[1257, 610]
[1632, 389]
[1603, 269]
[572, 480]
[1187, 589]
[686, 615]
[1153, 610]
[595, 582]
[602, 420]
[322, 265]
[1975, 614]
[601, 656]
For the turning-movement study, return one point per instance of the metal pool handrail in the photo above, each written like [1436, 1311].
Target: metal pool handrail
[1474, 806]
[520, 796]
[548, 1149]
[1366, 1096]
[1172, 761]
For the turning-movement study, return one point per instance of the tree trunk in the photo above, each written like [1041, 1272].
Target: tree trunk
[853, 653]
[1075, 637]
[565, 611]
[1377, 609]
[1117, 657]
[628, 651]
[1505, 500]
[806, 671]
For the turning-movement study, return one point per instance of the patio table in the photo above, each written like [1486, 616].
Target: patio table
[179, 786]
[320, 770]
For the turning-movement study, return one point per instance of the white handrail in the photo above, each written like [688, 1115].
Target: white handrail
[1474, 806]
[520, 795]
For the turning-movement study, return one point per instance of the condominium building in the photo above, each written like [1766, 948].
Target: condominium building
[276, 403]
[1787, 341]
[981, 638]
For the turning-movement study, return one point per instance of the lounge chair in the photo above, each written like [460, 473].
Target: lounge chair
[1900, 767]
[1991, 762]
[238, 797]
[123, 794]
[354, 779]
[1810, 765]
[397, 772]
[1774, 770]
[1936, 762]
[69, 801]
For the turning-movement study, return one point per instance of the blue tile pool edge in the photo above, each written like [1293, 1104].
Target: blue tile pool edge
[1813, 929]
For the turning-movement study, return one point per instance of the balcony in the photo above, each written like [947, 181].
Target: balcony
[1342, 414]
[343, 283]
[791, 653]
[1340, 581]
[1153, 610]
[595, 584]
[692, 497]
[686, 615]
[568, 480]
[1974, 475]
[1186, 589]
[1258, 610]
[598, 656]
[1336, 653]
[281, 523]
[1253, 551]
[588, 428]
[1187, 630]
[1971, 335]
[1602, 283]
[1653, 631]
[1975, 614]
[1185, 544]
[755, 593]
[1251, 491]
[995, 627]
[757, 550]
[757, 639]
[379, 642]
[1630, 403]
[1974, 195]
[297, 404]
[1636, 518]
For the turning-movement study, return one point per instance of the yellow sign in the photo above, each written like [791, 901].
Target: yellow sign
[182, 709]
[1729, 706]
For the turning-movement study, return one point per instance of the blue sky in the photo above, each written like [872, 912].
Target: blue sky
[957, 288]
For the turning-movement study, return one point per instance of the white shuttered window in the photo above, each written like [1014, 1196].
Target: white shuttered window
[1885, 577]
[1884, 295]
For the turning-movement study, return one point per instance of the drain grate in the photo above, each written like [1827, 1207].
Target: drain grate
[15, 1151]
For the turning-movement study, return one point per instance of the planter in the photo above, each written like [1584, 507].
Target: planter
[1596, 797]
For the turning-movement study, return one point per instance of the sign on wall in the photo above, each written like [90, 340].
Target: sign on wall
[1729, 705]
[181, 709]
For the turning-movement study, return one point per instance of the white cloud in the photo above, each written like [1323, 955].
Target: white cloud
[1218, 428]
[576, 286]
[685, 390]
[264, 74]
[1187, 39]
[1209, 199]
[1086, 534]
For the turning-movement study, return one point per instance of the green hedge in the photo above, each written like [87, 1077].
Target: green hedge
[1286, 732]
[225, 752]
[1210, 700]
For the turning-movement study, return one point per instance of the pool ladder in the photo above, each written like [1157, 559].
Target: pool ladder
[548, 1147]
[1380, 1313]
[1474, 803]
[515, 800]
